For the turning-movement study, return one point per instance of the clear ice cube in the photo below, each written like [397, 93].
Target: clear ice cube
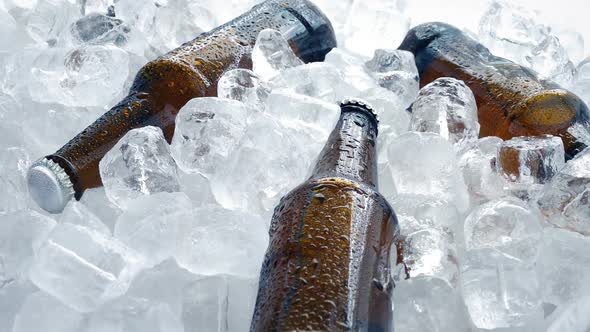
[219, 303]
[13, 188]
[153, 225]
[356, 79]
[396, 71]
[100, 29]
[426, 163]
[207, 132]
[43, 312]
[12, 295]
[480, 172]
[430, 253]
[446, 107]
[320, 80]
[20, 233]
[78, 214]
[245, 86]
[222, 241]
[139, 164]
[272, 54]
[428, 304]
[83, 268]
[49, 19]
[564, 200]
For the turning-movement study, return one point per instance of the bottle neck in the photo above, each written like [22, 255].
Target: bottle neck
[350, 150]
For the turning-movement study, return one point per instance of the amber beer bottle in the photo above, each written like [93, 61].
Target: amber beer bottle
[164, 85]
[327, 267]
[511, 99]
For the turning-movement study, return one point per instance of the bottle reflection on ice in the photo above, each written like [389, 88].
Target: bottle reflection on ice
[327, 267]
[166, 84]
[511, 99]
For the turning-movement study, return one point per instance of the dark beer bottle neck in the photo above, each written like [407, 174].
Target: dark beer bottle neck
[350, 149]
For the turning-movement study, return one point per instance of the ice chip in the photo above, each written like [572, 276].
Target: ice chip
[356, 79]
[480, 172]
[12, 295]
[78, 214]
[446, 107]
[83, 268]
[320, 80]
[96, 6]
[13, 188]
[272, 54]
[507, 227]
[571, 317]
[396, 71]
[50, 18]
[551, 60]
[207, 132]
[428, 304]
[219, 303]
[222, 241]
[100, 29]
[245, 86]
[154, 224]
[425, 163]
[43, 312]
[139, 164]
[20, 233]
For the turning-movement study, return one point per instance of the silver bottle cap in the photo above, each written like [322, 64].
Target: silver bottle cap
[358, 102]
[49, 185]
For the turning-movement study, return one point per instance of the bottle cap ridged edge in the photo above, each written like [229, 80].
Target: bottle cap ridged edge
[49, 185]
[358, 102]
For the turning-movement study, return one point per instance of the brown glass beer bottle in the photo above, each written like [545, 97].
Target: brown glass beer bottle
[327, 267]
[511, 99]
[166, 84]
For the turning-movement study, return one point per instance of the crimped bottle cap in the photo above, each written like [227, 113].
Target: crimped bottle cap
[49, 185]
[359, 103]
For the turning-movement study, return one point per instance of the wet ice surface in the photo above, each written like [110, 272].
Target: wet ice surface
[175, 239]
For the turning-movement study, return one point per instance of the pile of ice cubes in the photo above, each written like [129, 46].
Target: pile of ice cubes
[495, 233]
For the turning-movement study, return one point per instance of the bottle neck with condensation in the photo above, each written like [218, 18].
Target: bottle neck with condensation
[350, 150]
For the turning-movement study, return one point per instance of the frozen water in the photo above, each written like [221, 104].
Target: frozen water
[506, 227]
[139, 164]
[49, 19]
[207, 132]
[428, 304]
[96, 201]
[429, 253]
[272, 54]
[446, 107]
[222, 241]
[422, 212]
[76, 213]
[245, 86]
[374, 24]
[12, 296]
[565, 199]
[396, 71]
[154, 224]
[480, 172]
[9, 27]
[13, 189]
[130, 314]
[503, 298]
[42, 312]
[219, 303]
[356, 79]
[551, 60]
[425, 163]
[572, 317]
[20, 233]
[565, 266]
[97, 28]
[83, 268]
[319, 80]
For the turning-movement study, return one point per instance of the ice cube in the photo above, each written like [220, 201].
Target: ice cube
[20, 233]
[139, 164]
[219, 303]
[97, 28]
[96, 6]
[422, 212]
[480, 172]
[11, 115]
[551, 60]
[78, 214]
[320, 80]
[207, 132]
[356, 79]
[245, 86]
[222, 241]
[503, 298]
[374, 24]
[564, 200]
[391, 111]
[396, 71]
[43, 312]
[571, 317]
[13, 188]
[130, 314]
[197, 188]
[565, 265]
[83, 268]
[97, 202]
[272, 54]
[429, 252]
[9, 28]
[50, 18]
[154, 224]
[12, 296]
[425, 163]
[446, 107]
[428, 304]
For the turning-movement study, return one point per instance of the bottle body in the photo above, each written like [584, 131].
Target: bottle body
[328, 264]
[512, 101]
[192, 70]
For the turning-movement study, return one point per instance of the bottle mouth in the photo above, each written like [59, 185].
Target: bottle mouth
[49, 185]
[359, 105]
